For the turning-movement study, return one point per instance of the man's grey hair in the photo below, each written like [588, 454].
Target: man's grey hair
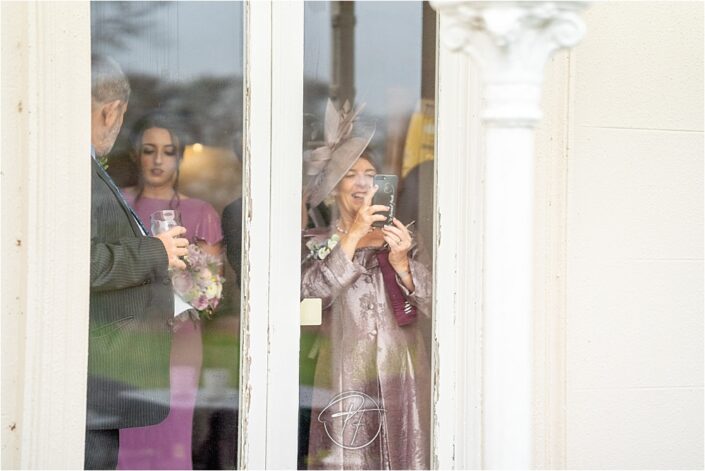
[108, 82]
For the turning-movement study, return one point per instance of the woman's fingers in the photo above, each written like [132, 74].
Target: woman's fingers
[371, 213]
[395, 247]
[367, 214]
[394, 230]
[401, 227]
[399, 230]
[396, 242]
[392, 241]
[368, 196]
[397, 237]
[378, 208]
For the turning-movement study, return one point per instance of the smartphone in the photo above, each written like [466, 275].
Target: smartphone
[386, 195]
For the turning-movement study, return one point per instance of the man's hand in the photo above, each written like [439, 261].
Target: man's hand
[175, 246]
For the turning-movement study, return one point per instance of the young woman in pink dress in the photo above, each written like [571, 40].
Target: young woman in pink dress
[158, 151]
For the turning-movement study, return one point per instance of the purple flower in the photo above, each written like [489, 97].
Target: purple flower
[200, 284]
[182, 282]
[201, 303]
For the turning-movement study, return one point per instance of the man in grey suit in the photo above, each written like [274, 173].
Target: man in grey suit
[131, 297]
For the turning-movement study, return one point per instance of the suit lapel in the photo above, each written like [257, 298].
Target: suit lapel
[102, 174]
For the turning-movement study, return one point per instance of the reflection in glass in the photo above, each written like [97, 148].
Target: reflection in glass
[365, 371]
[179, 149]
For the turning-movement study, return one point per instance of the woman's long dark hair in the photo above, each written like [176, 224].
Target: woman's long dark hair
[161, 121]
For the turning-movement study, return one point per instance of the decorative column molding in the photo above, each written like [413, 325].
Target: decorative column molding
[46, 207]
[510, 42]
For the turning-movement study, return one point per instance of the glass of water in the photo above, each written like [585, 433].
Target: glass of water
[162, 221]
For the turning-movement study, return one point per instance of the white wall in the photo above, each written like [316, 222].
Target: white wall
[45, 203]
[13, 220]
[634, 284]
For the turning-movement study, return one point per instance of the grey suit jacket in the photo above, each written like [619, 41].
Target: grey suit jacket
[131, 303]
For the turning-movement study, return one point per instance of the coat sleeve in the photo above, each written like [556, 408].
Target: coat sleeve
[327, 278]
[132, 261]
[422, 297]
[119, 257]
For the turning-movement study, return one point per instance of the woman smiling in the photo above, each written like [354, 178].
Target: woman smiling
[371, 396]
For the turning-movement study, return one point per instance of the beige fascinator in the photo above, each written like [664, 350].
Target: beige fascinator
[345, 140]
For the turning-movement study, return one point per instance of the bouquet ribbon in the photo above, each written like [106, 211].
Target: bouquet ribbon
[404, 312]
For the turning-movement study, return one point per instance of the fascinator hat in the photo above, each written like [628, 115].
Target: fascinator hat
[346, 139]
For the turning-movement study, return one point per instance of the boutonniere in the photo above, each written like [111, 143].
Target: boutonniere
[103, 161]
[321, 250]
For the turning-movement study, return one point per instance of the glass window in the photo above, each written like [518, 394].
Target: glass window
[365, 370]
[164, 344]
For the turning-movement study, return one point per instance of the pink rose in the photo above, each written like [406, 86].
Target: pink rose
[201, 303]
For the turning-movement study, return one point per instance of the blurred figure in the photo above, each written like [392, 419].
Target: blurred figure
[371, 398]
[232, 235]
[131, 297]
[158, 151]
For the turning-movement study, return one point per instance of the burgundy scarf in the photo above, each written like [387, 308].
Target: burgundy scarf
[404, 311]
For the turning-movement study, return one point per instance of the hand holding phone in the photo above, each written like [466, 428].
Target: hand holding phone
[386, 195]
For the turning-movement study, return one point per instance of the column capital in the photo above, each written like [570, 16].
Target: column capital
[511, 41]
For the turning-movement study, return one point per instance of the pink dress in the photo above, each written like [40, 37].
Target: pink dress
[167, 445]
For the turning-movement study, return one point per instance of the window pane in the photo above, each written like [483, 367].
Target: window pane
[365, 369]
[170, 383]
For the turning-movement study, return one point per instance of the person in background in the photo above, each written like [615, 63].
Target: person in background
[232, 235]
[372, 387]
[157, 152]
[131, 296]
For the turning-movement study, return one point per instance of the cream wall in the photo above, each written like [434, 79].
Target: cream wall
[13, 230]
[634, 229]
[45, 250]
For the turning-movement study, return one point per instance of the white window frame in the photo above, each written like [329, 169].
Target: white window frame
[274, 45]
[52, 80]
[273, 121]
[458, 265]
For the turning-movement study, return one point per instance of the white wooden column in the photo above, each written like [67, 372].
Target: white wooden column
[254, 343]
[510, 42]
[273, 120]
[457, 312]
[46, 198]
[285, 239]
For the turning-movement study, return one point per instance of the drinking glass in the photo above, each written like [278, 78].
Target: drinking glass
[164, 220]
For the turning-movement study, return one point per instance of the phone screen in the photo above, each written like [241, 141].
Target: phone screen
[386, 195]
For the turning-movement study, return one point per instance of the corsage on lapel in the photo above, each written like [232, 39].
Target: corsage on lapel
[321, 249]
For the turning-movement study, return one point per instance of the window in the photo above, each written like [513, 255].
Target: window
[365, 364]
[172, 392]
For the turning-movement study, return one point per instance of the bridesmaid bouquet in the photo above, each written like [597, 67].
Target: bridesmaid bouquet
[200, 284]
